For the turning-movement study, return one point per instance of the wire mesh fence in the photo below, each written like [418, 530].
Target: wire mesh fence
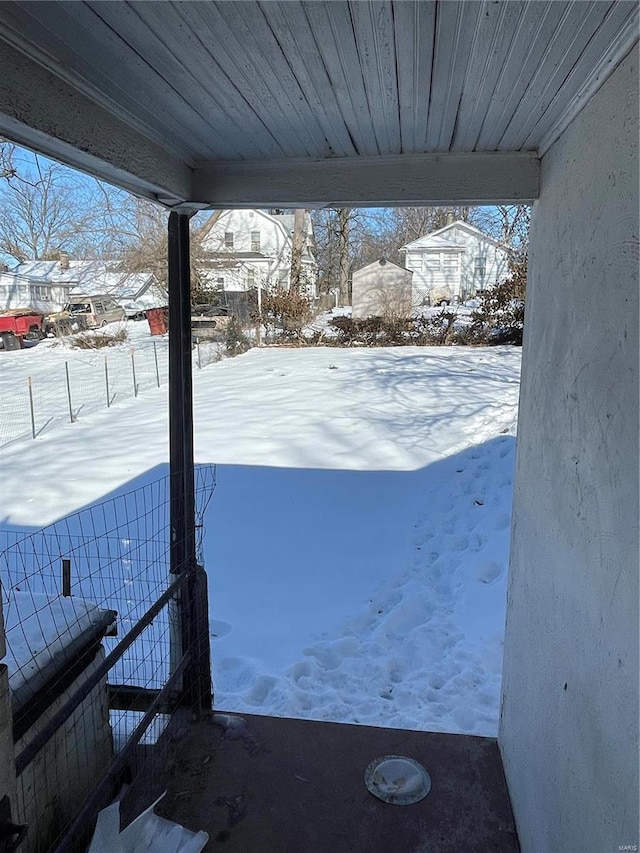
[73, 595]
[64, 389]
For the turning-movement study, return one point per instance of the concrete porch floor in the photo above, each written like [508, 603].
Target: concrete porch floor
[274, 785]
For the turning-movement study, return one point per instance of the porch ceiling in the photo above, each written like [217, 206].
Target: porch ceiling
[306, 103]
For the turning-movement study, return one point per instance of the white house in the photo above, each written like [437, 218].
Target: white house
[247, 248]
[458, 256]
[47, 285]
[21, 291]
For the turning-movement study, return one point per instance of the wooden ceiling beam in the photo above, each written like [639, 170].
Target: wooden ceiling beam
[399, 180]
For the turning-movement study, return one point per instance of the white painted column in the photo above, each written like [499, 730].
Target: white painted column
[569, 723]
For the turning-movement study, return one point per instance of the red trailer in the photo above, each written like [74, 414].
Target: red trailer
[18, 325]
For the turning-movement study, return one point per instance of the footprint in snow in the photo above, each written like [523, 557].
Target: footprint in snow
[219, 629]
[489, 572]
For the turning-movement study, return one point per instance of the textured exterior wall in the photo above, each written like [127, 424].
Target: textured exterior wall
[381, 290]
[53, 787]
[569, 725]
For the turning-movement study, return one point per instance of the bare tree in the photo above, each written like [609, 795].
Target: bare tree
[343, 222]
[46, 207]
[297, 247]
[142, 229]
[340, 234]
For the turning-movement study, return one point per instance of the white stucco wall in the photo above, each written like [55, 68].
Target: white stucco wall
[569, 723]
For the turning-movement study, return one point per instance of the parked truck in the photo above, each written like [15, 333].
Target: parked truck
[19, 325]
[24, 324]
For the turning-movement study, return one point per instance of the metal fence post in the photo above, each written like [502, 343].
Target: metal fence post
[66, 368]
[106, 379]
[33, 417]
[155, 355]
[133, 370]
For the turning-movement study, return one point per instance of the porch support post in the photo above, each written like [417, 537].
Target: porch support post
[193, 609]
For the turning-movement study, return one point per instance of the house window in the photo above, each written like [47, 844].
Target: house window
[480, 266]
[228, 239]
[220, 282]
[251, 278]
[255, 241]
[283, 278]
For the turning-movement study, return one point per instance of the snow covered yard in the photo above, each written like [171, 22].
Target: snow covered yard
[357, 542]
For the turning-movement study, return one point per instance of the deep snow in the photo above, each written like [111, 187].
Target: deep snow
[357, 542]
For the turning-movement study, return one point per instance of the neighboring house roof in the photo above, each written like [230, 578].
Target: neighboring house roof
[90, 278]
[14, 278]
[383, 262]
[446, 238]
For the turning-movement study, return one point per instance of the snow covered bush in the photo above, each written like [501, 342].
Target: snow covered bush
[107, 337]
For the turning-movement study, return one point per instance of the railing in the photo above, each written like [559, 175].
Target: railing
[73, 686]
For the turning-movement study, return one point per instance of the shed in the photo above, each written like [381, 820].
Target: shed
[381, 289]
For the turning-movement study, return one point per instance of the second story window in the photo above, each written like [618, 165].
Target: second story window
[255, 241]
[228, 239]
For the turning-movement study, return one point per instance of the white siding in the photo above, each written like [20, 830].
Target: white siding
[436, 266]
[275, 245]
[381, 290]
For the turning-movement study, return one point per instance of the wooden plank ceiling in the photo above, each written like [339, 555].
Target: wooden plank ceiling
[263, 82]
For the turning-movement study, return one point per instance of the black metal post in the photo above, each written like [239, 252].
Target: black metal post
[66, 578]
[193, 611]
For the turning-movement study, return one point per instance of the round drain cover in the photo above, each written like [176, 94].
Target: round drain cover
[397, 780]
